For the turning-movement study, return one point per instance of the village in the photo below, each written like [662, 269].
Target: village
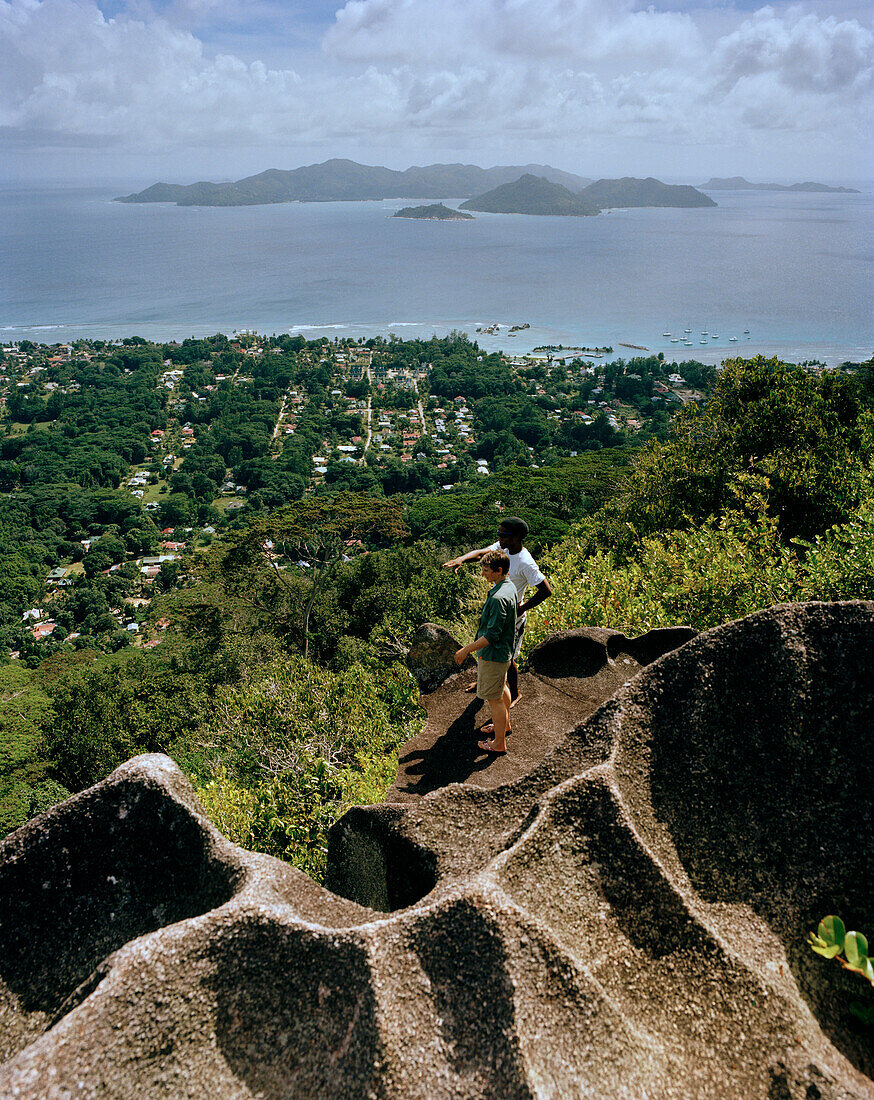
[347, 412]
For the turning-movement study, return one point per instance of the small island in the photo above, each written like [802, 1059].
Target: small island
[437, 212]
[738, 183]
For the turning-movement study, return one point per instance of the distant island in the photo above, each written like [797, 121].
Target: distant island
[738, 183]
[628, 192]
[437, 212]
[346, 180]
[532, 195]
[507, 189]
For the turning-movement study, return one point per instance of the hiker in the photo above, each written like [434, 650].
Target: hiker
[494, 648]
[524, 574]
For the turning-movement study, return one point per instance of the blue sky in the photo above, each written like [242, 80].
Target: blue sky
[188, 89]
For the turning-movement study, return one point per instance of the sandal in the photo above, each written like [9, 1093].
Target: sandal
[486, 747]
[489, 727]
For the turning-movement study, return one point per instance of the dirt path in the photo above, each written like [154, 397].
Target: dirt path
[369, 416]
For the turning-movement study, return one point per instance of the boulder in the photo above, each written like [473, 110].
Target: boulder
[626, 917]
[431, 656]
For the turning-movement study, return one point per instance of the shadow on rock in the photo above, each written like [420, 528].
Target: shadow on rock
[452, 758]
[105, 867]
[762, 771]
[295, 1016]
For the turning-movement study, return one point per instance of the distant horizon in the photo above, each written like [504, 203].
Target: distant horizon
[791, 267]
[140, 182]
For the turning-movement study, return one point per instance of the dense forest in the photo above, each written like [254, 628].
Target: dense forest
[249, 610]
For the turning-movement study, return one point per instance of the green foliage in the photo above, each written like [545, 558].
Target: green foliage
[276, 746]
[281, 564]
[383, 597]
[26, 787]
[102, 715]
[700, 576]
[828, 940]
[703, 575]
[832, 941]
[290, 747]
[548, 499]
[805, 440]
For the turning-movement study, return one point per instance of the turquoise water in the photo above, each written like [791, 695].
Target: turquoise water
[794, 269]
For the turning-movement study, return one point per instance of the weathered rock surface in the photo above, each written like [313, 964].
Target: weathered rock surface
[431, 656]
[624, 918]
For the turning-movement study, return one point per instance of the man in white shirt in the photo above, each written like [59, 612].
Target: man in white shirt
[524, 574]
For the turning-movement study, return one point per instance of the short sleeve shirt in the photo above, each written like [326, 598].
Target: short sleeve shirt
[524, 571]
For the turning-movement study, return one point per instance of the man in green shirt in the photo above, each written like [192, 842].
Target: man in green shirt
[494, 646]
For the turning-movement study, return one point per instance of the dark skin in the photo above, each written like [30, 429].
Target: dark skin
[512, 544]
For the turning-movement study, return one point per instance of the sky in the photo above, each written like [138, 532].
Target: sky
[101, 91]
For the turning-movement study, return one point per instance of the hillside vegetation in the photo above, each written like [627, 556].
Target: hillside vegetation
[278, 684]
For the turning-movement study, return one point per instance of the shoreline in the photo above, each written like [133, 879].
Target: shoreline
[625, 345]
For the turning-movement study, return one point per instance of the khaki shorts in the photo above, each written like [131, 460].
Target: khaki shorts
[491, 676]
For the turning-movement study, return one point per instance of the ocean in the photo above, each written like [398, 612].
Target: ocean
[793, 269]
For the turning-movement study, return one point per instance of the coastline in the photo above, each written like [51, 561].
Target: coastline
[626, 344]
[792, 269]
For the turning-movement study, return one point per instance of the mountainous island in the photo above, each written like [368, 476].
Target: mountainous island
[628, 192]
[738, 183]
[532, 195]
[437, 212]
[338, 180]
[507, 189]
[535, 195]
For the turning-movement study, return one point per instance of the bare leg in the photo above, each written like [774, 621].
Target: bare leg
[500, 718]
[513, 683]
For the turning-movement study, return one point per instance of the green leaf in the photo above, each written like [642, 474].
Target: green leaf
[828, 951]
[856, 950]
[832, 931]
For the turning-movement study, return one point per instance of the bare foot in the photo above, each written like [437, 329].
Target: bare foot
[470, 689]
[488, 747]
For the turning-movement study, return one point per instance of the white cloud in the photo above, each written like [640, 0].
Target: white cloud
[399, 76]
[801, 50]
[64, 69]
[419, 32]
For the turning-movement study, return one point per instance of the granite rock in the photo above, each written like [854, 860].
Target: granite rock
[431, 656]
[625, 918]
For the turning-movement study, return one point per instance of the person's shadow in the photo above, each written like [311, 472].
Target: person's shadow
[452, 758]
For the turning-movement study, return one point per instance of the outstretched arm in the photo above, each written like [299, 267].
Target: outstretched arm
[472, 555]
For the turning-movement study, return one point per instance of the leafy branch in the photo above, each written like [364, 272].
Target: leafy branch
[833, 941]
